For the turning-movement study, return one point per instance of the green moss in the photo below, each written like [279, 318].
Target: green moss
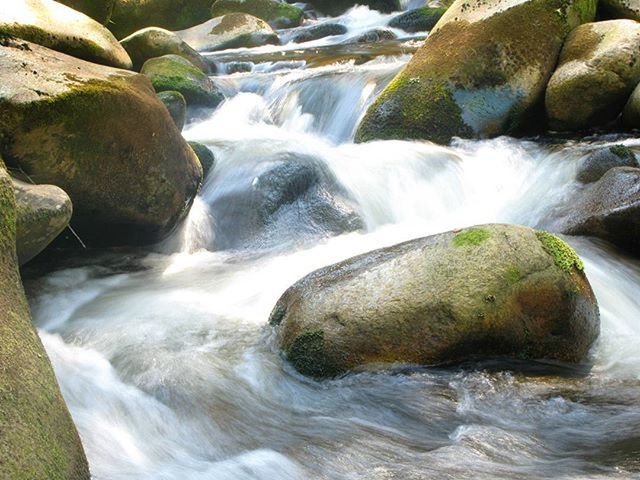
[307, 354]
[513, 275]
[471, 238]
[277, 314]
[563, 255]
[621, 151]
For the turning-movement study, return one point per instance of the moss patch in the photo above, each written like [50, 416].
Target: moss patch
[307, 354]
[513, 275]
[471, 238]
[563, 255]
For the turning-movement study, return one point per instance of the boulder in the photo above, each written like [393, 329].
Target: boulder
[631, 111]
[598, 69]
[175, 73]
[375, 35]
[177, 106]
[43, 212]
[99, 10]
[277, 14]
[418, 20]
[101, 135]
[592, 168]
[38, 440]
[481, 71]
[154, 42]
[205, 155]
[132, 15]
[234, 30]
[608, 209]
[316, 32]
[486, 291]
[335, 8]
[61, 28]
[620, 8]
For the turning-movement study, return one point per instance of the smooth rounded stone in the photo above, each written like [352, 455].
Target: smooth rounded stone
[38, 439]
[132, 15]
[373, 36]
[608, 209]
[43, 212]
[598, 69]
[238, 67]
[316, 32]
[154, 42]
[175, 73]
[631, 111]
[418, 20]
[485, 291]
[177, 106]
[205, 155]
[61, 28]
[285, 199]
[102, 135]
[481, 71]
[592, 168]
[276, 14]
[335, 8]
[234, 30]
[99, 10]
[621, 8]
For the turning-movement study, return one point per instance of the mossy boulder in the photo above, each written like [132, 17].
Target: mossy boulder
[205, 155]
[154, 42]
[234, 30]
[101, 135]
[598, 69]
[132, 15]
[61, 28]
[418, 20]
[99, 10]
[621, 8]
[177, 106]
[175, 73]
[43, 212]
[597, 163]
[38, 440]
[481, 71]
[485, 291]
[338, 7]
[277, 14]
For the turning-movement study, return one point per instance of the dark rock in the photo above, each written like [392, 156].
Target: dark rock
[418, 20]
[177, 106]
[373, 36]
[600, 162]
[315, 32]
[205, 155]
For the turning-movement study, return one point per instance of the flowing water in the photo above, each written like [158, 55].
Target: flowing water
[169, 368]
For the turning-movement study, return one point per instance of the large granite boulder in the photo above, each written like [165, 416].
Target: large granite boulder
[275, 13]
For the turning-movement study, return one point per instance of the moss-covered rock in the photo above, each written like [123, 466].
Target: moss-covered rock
[43, 211]
[99, 10]
[234, 30]
[205, 155]
[492, 290]
[598, 69]
[620, 8]
[175, 73]
[101, 135]
[177, 106]
[338, 7]
[38, 440]
[482, 69]
[597, 163]
[277, 14]
[61, 28]
[132, 15]
[418, 20]
[154, 42]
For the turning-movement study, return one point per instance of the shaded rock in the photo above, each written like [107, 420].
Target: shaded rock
[608, 209]
[315, 32]
[335, 8]
[43, 211]
[132, 15]
[418, 20]
[631, 111]
[61, 28]
[205, 155]
[598, 163]
[154, 42]
[238, 67]
[480, 72]
[621, 8]
[101, 135]
[38, 439]
[277, 14]
[99, 10]
[376, 35]
[492, 290]
[175, 73]
[234, 30]
[177, 106]
[598, 69]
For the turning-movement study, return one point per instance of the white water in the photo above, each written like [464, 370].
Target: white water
[169, 370]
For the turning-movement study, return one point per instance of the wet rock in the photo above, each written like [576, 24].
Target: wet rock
[631, 111]
[418, 20]
[38, 439]
[61, 28]
[600, 162]
[154, 42]
[205, 155]
[175, 73]
[177, 106]
[335, 8]
[238, 67]
[376, 35]
[598, 69]
[315, 32]
[492, 290]
[101, 135]
[277, 14]
[481, 71]
[99, 10]
[234, 30]
[621, 8]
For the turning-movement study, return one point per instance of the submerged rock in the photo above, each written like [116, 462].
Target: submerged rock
[43, 212]
[99, 10]
[277, 14]
[482, 69]
[101, 135]
[601, 161]
[418, 20]
[38, 439]
[315, 32]
[492, 290]
[177, 106]
[338, 7]
[234, 30]
[61, 28]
